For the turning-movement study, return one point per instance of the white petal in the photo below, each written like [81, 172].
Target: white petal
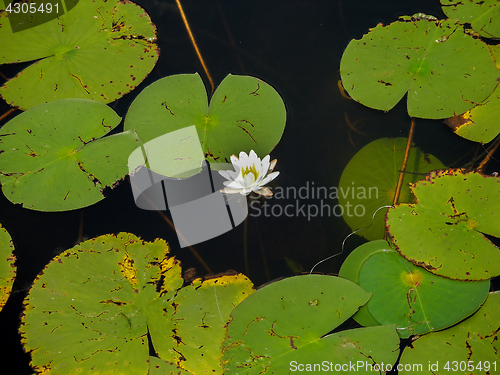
[226, 175]
[265, 165]
[234, 174]
[228, 190]
[253, 159]
[233, 184]
[249, 180]
[234, 160]
[272, 165]
[243, 155]
[258, 181]
[269, 178]
[245, 191]
[264, 191]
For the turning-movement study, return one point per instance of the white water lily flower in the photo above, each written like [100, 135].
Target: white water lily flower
[250, 174]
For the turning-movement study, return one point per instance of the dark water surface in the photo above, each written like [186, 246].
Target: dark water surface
[295, 46]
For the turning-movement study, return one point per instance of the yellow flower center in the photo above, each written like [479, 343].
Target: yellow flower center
[252, 170]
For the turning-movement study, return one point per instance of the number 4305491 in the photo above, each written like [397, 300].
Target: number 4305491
[470, 366]
[32, 8]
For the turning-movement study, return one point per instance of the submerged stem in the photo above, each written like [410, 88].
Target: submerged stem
[403, 167]
[488, 157]
[194, 44]
[7, 113]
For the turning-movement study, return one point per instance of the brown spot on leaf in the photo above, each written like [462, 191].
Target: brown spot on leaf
[80, 82]
[427, 266]
[255, 93]
[385, 83]
[117, 303]
[164, 104]
[246, 131]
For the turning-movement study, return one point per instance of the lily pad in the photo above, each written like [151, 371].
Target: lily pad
[245, 113]
[444, 232]
[409, 296]
[351, 268]
[442, 67]
[470, 347]
[51, 157]
[483, 15]
[94, 305]
[195, 319]
[369, 182]
[284, 324]
[7, 266]
[480, 123]
[98, 50]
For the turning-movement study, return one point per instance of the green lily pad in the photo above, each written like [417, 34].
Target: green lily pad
[409, 296]
[99, 50]
[197, 316]
[93, 306]
[483, 15]
[7, 266]
[480, 123]
[351, 268]
[284, 325]
[244, 114]
[471, 347]
[51, 157]
[369, 182]
[442, 67]
[444, 231]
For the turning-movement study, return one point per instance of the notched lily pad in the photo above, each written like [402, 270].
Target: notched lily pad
[191, 330]
[407, 295]
[285, 323]
[93, 306]
[444, 68]
[444, 232]
[51, 157]
[245, 113]
[480, 124]
[470, 347]
[98, 50]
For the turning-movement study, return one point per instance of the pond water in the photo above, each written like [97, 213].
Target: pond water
[296, 47]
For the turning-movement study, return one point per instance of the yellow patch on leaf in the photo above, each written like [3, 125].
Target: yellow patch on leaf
[128, 270]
